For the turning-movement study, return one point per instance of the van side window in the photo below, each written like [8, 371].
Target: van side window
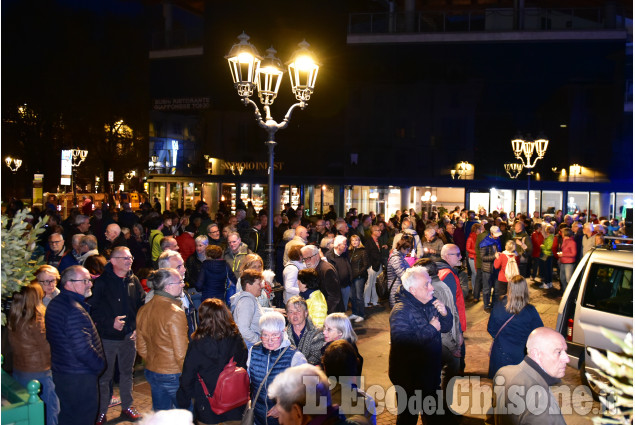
[609, 289]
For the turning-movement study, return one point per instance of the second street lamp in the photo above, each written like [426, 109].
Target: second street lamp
[526, 148]
[249, 71]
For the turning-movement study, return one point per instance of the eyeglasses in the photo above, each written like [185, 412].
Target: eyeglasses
[175, 283]
[84, 281]
[214, 231]
[304, 260]
[273, 337]
[131, 258]
[47, 282]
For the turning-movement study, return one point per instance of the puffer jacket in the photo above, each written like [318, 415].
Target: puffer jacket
[31, 350]
[162, 334]
[310, 343]
[488, 249]
[212, 279]
[397, 265]
[75, 344]
[247, 311]
[414, 340]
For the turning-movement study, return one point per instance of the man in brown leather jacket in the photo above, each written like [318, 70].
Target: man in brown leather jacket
[162, 337]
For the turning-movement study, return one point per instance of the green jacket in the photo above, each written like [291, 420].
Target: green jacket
[155, 243]
[546, 246]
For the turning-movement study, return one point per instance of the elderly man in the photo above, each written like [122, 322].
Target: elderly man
[302, 332]
[291, 389]
[318, 234]
[338, 257]
[56, 251]
[416, 323]
[117, 296]
[72, 258]
[87, 248]
[432, 245]
[301, 238]
[114, 238]
[521, 392]
[77, 356]
[329, 281]
[168, 243]
[450, 260]
[162, 340]
[81, 226]
[173, 260]
[235, 252]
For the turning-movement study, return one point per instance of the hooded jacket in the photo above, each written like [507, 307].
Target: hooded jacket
[247, 311]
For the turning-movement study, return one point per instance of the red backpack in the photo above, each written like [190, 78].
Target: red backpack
[232, 389]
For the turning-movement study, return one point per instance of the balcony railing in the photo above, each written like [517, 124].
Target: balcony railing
[486, 20]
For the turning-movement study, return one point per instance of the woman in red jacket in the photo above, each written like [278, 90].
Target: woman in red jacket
[470, 247]
[500, 263]
[567, 257]
[537, 238]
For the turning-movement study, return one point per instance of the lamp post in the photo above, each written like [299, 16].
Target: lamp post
[77, 157]
[460, 171]
[249, 70]
[13, 163]
[526, 148]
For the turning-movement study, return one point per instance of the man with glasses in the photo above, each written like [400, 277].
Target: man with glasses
[117, 297]
[235, 252]
[56, 251]
[214, 237]
[328, 280]
[77, 356]
[173, 260]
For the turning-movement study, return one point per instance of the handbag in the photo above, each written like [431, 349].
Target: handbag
[498, 333]
[381, 285]
[248, 415]
[232, 388]
[230, 289]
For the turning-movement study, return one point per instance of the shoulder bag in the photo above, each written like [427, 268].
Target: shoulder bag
[248, 416]
[498, 333]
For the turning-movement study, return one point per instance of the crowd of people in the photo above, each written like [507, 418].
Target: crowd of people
[190, 294]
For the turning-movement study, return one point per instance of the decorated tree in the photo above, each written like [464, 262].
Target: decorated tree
[18, 244]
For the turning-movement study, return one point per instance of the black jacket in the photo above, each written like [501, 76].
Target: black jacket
[374, 253]
[208, 357]
[115, 296]
[359, 263]
[342, 266]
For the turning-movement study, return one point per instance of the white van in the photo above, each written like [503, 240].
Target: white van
[599, 295]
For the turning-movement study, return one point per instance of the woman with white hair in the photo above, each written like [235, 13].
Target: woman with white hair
[268, 358]
[301, 401]
[338, 326]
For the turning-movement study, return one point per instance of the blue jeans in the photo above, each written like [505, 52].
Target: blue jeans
[357, 295]
[163, 387]
[547, 269]
[79, 398]
[472, 264]
[487, 289]
[346, 293]
[566, 270]
[47, 391]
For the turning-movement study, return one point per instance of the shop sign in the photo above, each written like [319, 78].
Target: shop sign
[251, 166]
[181, 104]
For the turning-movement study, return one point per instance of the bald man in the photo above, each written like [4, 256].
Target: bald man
[114, 238]
[521, 392]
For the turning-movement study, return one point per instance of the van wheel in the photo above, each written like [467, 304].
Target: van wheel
[595, 390]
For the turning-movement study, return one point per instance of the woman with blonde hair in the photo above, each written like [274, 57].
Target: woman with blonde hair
[358, 258]
[510, 323]
[338, 326]
[500, 263]
[32, 353]
[48, 277]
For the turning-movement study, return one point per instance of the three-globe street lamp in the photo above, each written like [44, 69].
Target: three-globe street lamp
[77, 157]
[461, 170]
[249, 70]
[526, 148]
[13, 163]
[513, 169]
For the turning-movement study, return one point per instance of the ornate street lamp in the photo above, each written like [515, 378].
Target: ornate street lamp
[251, 71]
[513, 169]
[526, 148]
[460, 171]
[13, 163]
[77, 157]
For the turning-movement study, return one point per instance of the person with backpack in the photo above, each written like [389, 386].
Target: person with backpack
[507, 264]
[215, 345]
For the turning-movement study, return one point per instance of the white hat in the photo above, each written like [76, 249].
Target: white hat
[495, 231]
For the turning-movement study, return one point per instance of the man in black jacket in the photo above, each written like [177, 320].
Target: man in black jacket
[338, 257]
[416, 323]
[329, 282]
[117, 296]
